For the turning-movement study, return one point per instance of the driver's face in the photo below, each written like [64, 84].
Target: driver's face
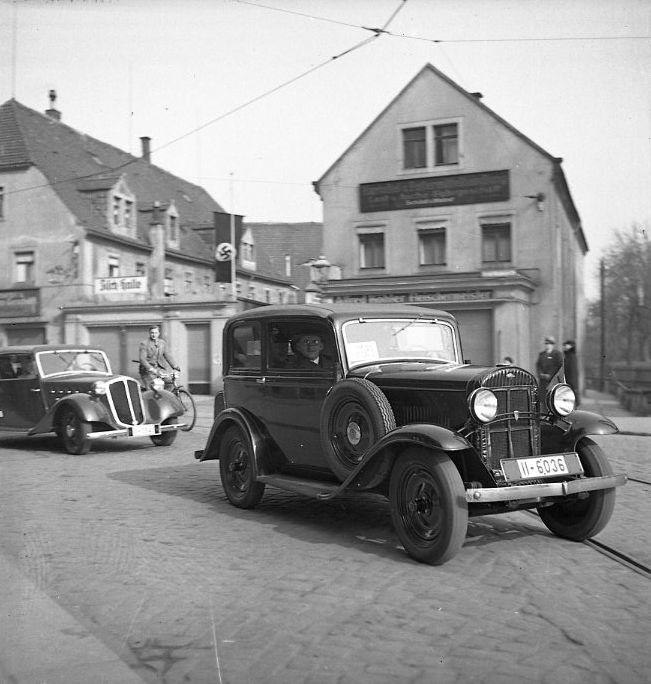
[154, 334]
[309, 346]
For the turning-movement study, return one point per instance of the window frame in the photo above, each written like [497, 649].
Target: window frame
[30, 270]
[365, 236]
[490, 234]
[431, 163]
[432, 228]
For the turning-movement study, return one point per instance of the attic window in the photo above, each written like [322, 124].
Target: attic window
[431, 145]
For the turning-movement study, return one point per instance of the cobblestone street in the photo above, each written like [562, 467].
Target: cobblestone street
[128, 564]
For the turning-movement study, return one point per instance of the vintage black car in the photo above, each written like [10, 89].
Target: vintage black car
[392, 408]
[70, 390]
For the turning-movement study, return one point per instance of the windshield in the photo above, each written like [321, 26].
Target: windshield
[73, 361]
[375, 340]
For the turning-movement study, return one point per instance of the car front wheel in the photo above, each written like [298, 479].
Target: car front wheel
[236, 470]
[74, 433]
[428, 505]
[582, 518]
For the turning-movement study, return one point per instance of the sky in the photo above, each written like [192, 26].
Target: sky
[254, 100]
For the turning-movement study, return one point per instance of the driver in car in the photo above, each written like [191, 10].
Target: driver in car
[308, 348]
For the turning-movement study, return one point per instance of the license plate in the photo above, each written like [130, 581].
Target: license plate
[549, 465]
[142, 430]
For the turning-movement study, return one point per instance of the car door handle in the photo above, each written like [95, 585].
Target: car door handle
[35, 389]
[261, 381]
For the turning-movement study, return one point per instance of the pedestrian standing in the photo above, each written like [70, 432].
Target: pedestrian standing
[570, 363]
[549, 365]
[153, 357]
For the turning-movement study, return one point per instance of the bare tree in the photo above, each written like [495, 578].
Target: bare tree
[628, 297]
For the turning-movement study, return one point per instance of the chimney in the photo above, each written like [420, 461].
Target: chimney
[52, 112]
[146, 153]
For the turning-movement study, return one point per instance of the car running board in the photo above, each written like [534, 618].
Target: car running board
[319, 489]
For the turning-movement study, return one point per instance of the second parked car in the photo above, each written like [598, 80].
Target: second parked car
[70, 390]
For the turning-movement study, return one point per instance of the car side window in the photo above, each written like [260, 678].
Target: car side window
[245, 348]
[16, 366]
[300, 346]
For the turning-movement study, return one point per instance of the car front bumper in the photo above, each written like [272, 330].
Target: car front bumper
[538, 492]
[131, 432]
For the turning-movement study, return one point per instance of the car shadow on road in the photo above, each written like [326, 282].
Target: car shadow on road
[358, 520]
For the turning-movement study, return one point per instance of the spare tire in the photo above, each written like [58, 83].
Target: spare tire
[354, 416]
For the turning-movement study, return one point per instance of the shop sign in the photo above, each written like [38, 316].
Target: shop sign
[417, 297]
[461, 295]
[121, 285]
[19, 303]
[435, 191]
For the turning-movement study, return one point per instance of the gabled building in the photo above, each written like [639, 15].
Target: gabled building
[442, 203]
[96, 245]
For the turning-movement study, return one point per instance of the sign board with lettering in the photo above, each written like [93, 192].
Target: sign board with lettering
[418, 297]
[121, 285]
[19, 303]
[435, 191]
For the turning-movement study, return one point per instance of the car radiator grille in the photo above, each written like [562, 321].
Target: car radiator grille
[515, 431]
[125, 401]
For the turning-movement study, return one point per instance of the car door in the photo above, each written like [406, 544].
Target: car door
[293, 396]
[21, 400]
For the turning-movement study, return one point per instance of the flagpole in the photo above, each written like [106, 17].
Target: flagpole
[234, 252]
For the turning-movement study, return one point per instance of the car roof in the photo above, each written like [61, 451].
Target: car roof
[341, 311]
[34, 348]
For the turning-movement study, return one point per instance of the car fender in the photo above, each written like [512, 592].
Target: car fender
[88, 409]
[563, 434]
[378, 460]
[160, 405]
[246, 423]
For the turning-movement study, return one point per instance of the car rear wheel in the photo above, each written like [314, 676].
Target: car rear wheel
[236, 470]
[428, 505]
[74, 433]
[582, 518]
[355, 415]
[165, 438]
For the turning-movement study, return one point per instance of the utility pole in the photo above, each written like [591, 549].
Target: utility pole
[602, 315]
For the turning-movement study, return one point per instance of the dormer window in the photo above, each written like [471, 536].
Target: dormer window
[172, 227]
[247, 250]
[122, 214]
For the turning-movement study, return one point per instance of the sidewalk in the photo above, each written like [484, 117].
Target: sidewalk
[608, 405]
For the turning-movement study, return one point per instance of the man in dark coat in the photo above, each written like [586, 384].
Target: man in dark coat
[153, 354]
[571, 367]
[549, 365]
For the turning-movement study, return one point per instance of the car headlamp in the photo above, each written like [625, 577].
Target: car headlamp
[99, 387]
[483, 405]
[561, 399]
[158, 384]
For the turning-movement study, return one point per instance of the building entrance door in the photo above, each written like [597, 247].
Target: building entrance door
[199, 357]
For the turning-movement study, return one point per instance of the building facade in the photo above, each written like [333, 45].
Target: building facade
[96, 245]
[441, 203]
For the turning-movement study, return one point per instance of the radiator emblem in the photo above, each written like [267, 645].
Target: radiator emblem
[516, 415]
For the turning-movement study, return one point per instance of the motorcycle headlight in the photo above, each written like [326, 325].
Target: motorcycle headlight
[561, 399]
[158, 384]
[99, 387]
[483, 405]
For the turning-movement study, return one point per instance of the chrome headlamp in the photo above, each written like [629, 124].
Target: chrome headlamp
[561, 399]
[99, 387]
[483, 405]
[157, 384]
